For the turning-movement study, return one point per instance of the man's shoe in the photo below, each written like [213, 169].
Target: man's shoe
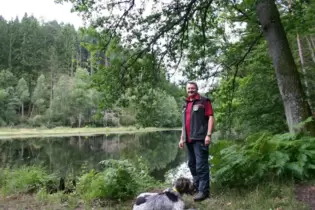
[201, 196]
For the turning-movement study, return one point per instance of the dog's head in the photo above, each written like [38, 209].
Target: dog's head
[184, 186]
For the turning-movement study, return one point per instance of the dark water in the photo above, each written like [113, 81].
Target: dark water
[68, 156]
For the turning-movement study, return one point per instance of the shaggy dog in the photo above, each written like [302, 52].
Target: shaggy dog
[169, 199]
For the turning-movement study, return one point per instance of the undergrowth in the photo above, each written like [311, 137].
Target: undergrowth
[263, 158]
[23, 180]
[120, 180]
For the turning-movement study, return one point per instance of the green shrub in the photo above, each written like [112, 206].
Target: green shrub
[266, 157]
[37, 121]
[23, 180]
[127, 120]
[119, 180]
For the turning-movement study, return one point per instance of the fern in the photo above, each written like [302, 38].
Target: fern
[284, 156]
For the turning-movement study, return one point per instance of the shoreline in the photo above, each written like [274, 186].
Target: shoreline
[10, 133]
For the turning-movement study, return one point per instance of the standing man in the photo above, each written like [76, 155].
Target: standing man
[198, 123]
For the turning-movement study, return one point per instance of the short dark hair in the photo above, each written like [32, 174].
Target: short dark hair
[192, 83]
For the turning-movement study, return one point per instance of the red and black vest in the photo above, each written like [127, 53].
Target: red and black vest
[198, 119]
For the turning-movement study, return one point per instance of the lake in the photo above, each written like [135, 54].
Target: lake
[69, 156]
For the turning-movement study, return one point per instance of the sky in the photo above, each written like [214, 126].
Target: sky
[46, 10]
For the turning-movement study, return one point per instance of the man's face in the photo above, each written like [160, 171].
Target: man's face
[191, 89]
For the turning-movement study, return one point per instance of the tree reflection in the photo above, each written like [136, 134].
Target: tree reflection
[67, 155]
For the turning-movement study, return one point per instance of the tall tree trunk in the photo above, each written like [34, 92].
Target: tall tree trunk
[31, 114]
[91, 64]
[71, 73]
[78, 61]
[289, 82]
[51, 85]
[80, 56]
[10, 52]
[311, 47]
[22, 109]
[300, 50]
[304, 71]
[30, 107]
[22, 51]
[312, 40]
[53, 65]
[80, 119]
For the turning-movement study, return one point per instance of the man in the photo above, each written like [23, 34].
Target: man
[198, 123]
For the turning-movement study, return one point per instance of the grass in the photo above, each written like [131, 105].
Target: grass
[6, 133]
[263, 197]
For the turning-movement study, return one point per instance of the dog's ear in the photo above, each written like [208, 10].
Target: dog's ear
[171, 196]
[142, 199]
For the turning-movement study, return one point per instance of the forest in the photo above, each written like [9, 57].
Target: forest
[128, 66]
[47, 74]
[54, 75]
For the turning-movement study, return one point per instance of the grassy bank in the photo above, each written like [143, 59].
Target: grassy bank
[264, 197]
[31, 187]
[6, 133]
[272, 196]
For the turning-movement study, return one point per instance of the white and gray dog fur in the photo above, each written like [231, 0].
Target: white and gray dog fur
[169, 199]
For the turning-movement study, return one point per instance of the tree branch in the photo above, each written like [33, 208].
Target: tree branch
[164, 29]
[112, 33]
[234, 6]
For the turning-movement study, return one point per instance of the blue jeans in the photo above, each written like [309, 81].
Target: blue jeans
[198, 154]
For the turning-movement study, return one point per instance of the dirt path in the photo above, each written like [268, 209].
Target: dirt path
[306, 194]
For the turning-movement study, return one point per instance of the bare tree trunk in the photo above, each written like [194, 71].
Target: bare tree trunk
[51, 86]
[80, 56]
[10, 52]
[71, 73]
[300, 50]
[78, 60]
[22, 110]
[304, 71]
[312, 41]
[23, 58]
[30, 107]
[311, 48]
[32, 111]
[91, 64]
[79, 118]
[294, 100]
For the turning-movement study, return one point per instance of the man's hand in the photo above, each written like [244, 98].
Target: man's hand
[207, 140]
[181, 144]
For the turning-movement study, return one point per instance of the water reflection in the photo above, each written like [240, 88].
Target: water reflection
[182, 170]
[67, 155]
